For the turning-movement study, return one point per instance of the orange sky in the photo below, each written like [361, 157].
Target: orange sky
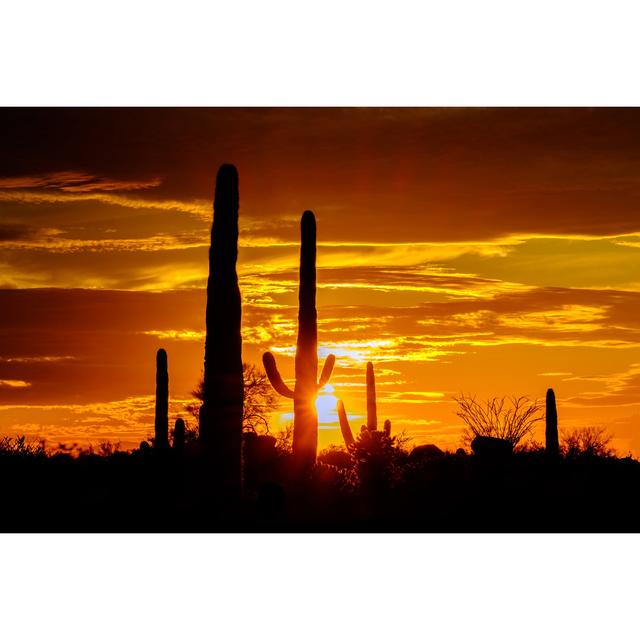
[485, 251]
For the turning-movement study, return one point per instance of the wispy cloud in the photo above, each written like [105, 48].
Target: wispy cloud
[75, 181]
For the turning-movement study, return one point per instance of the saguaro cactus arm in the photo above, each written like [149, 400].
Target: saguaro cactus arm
[327, 370]
[274, 376]
[344, 425]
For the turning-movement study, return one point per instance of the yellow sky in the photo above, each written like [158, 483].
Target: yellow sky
[491, 252]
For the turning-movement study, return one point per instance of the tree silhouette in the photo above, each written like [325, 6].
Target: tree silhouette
[259, 399]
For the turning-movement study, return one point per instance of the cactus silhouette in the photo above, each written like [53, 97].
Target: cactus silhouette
[178, 436]
[552, 445]
[305, 417]
[349, 440]
[223, 391]
[372, 415]
[161, 439]
[372, 412]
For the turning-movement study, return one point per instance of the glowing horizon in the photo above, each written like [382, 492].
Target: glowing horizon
[493, 252]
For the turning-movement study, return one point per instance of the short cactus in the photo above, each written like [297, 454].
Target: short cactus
[372, 412]
[552, 445]
[178, 436]
[305, 417]
[161, 439]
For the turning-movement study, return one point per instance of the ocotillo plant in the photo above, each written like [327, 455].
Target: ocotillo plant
[161, 438]
[552, 445]
[223, 391]
[178, 436]
[372, 412]
[305, 417]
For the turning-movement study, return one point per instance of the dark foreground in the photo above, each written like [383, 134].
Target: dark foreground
[389, 491]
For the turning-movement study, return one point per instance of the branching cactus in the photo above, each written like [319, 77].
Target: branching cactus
[161, 439]
[307, 385]
[372, 412]
[552, 444]
[223, 389]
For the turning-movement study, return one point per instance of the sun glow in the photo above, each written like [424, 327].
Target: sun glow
[326, 407]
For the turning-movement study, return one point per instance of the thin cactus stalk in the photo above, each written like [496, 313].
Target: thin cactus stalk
[161, 437]
[345, 428]
[372, 414]
[552, 445]
[223, 389]
[178, 436]
[307, 385]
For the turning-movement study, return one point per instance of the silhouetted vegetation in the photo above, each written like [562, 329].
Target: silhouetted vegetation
[231, 474]
[221, 412]
[305, 391]
[378, 485]
[372, 412]
[509, 419]
[161, 437]
[260, 399]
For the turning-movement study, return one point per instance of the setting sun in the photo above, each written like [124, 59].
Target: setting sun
[446, 264]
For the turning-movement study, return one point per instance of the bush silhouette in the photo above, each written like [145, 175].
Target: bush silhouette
[588, 441]
[497, 418]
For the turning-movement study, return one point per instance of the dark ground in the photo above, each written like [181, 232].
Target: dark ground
[381, 491]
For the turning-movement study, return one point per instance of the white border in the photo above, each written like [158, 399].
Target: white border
[331, 53]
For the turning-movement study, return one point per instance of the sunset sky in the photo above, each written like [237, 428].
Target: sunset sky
[484, 251]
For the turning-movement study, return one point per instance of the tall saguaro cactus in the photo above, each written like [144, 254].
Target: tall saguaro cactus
[161, 436]
[372, 412]
[552, 445]
[305, 417]
[223, 390]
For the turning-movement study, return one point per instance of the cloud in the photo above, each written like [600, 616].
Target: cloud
[75, 181]
[15, 384]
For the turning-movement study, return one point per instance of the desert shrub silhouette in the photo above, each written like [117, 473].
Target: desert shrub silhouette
[305, 391]
[377, 461]
[510, 421]
[260, 399]
[588, 442]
